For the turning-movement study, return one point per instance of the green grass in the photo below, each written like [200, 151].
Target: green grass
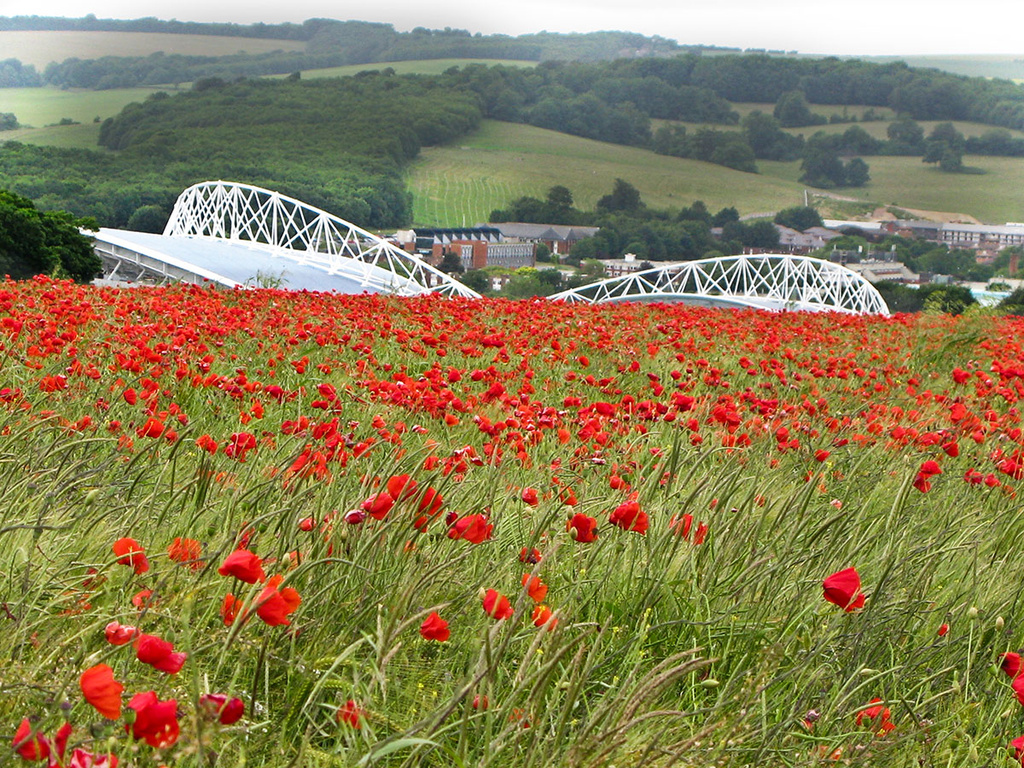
[993, 196]
[38, 107]
[84, 136]
[876, 128]
[40, 48]
[990, 195]
[424, 67]
[667, 651]
[502, 161]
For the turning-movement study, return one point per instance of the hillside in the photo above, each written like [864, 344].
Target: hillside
[462, 183]
[465, 181]
[41, 48]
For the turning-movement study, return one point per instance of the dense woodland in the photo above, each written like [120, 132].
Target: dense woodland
[324, 140]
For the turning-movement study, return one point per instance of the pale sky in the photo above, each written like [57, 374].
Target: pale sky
[845, 27]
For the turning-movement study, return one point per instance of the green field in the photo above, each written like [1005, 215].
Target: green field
[423, 67]
[461, 184]
[38, 107]
[993, 196]
[40, 48]
[502, 161]
[876, 128]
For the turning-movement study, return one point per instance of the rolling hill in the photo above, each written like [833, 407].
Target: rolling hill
[462, 183]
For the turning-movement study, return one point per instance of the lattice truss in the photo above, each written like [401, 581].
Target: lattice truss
[233, 211]
[770, 281]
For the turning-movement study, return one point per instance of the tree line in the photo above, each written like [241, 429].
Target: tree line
[340, 145]
[692, 86]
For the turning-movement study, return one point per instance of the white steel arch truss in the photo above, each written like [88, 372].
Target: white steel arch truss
[763, 280]
[242, 212]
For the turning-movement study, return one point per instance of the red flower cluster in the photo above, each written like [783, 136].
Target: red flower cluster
[928, 470]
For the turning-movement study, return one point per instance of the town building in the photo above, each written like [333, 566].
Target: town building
[559, 238]
[476, 247]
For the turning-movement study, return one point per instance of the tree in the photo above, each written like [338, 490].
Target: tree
[857, 173]
[792, 111]
[766, 137]
[761, 234]
[734, 152]
[451, 264]
[800, 217]
[36, 242]
[148, 218]
[945, 146]
[8, 121]
[906, 137]
[725, 216]
[696, 212]
[624, 197]
[476, 279]
[560, 198]
[821, 167]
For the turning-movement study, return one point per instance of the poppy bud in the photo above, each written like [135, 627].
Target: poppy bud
[355, 516]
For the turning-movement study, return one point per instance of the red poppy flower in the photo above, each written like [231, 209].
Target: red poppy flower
[681, 525]
[582, 528]
[535, 588]
[378, 505]
[496, 605]
[1010, 663]
[529, 497]
[531, 556]
[229, 609]
[274, 605]
[1018, 688]
[843, 589]
[102, 691]
[1017, 745]
[435, 628]
[877, 717]
[401, 487]
[159, 654]
[473, 528]
[350, 714]
[155, 721]
[152, 428]
[943, 629]
[130, 552]
[244, 566]
[227, 711]
[119, 634]
[188, 552]
[542, 616]
[629, 517]
[31, 746]
[700, 534]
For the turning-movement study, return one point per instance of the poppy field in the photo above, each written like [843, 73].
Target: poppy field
[299, 529]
